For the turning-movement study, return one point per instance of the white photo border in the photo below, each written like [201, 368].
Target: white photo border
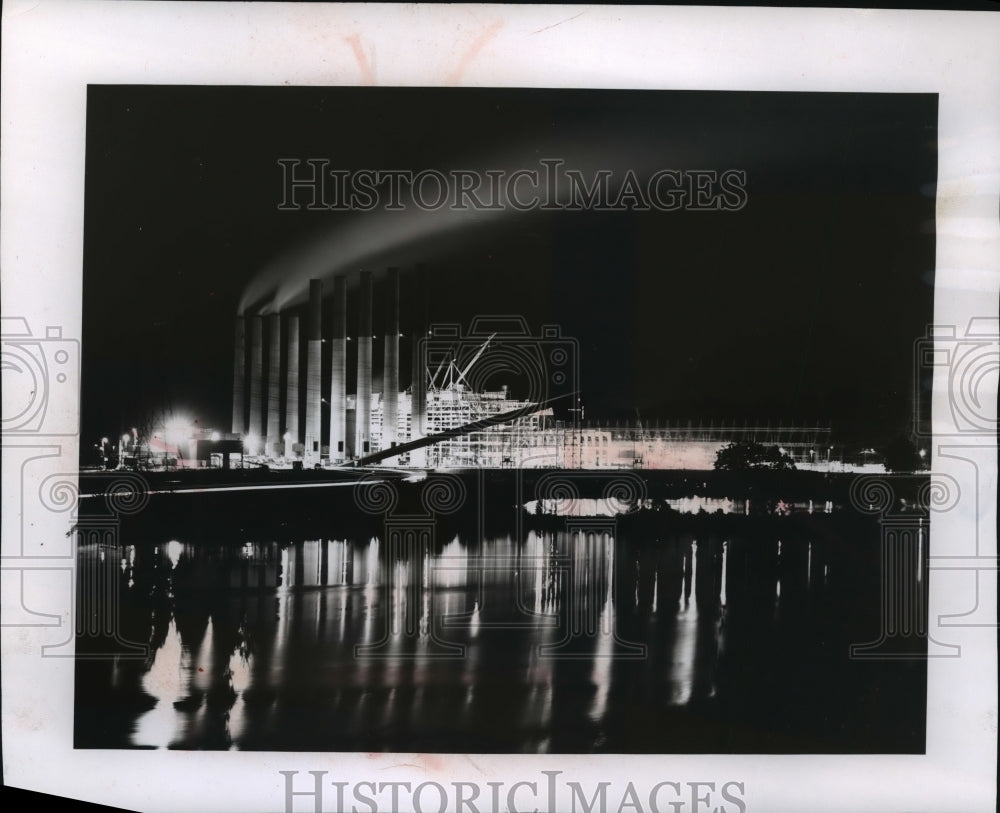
[54, 49]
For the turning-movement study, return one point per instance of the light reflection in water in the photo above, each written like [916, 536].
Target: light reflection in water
[174, 551]
[723, 578]
[163, 682]
[240, 670]
[601, 673]
[522, 611]
[685, 642]
[777, 582]
[474, 621]
[590, 507]
[535, 549]
[692, 505]
[284, 594]
[201, 667]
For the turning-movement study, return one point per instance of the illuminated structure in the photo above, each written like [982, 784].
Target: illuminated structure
[441, 402]
[538, 440]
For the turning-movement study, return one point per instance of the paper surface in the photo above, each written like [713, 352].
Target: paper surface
[54, 51]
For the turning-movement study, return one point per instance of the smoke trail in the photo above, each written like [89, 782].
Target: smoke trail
[372, 240]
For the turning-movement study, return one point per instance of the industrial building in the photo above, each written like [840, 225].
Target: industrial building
[436, 402]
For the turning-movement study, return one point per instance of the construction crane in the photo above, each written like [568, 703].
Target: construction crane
[454, 377]
[458, 431]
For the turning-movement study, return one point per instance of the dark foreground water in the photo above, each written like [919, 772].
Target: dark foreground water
[675, 633]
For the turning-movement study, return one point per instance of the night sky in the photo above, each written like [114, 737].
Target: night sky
[801, 308]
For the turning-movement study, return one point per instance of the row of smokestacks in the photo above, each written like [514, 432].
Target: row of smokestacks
[263, 396]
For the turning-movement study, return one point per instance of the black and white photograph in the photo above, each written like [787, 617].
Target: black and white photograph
[503, 420]
[449, 442]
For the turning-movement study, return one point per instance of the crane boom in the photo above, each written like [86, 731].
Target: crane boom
[430, 386]
[475, 358]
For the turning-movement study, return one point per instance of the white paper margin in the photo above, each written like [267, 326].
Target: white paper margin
[52, 50]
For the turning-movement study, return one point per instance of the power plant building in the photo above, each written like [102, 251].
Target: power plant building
[431, 407]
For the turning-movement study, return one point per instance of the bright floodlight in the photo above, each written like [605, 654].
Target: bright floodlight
[250, 441]
[178, 430]
[215, 436]
[126, 438]
[104, 440]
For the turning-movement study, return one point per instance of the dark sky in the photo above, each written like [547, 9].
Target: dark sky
[801, 307]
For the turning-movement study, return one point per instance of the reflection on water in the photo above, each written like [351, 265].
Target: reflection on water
[591, 637]
[611, 506]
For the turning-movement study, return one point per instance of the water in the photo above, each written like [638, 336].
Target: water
[697, 635]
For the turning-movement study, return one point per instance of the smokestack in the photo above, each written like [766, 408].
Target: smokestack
[338, 378]
[363, 404]
[314, 374]
[390, 369]
[274, 383]
[256, 374]
[239, 377]
[418, 378]
[292, 394]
